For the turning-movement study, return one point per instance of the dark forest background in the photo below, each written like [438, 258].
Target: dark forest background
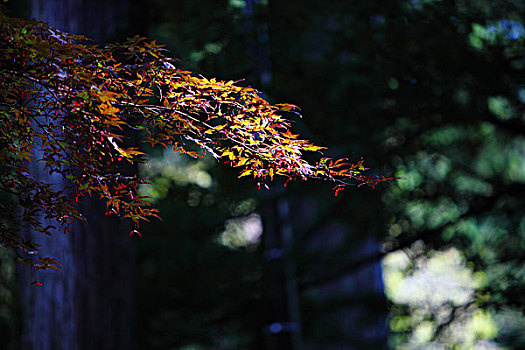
[431, 91]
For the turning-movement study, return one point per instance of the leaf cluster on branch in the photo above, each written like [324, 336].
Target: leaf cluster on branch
[68, 104]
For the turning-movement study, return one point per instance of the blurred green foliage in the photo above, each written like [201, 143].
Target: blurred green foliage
[458, 137]
[433, 91]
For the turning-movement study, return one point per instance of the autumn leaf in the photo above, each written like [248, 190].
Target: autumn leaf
[70, 103]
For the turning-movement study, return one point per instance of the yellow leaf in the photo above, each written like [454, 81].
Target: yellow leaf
[107, 109]
[228, 154]
[313, 148]
[242, 162]
[245, 173]
[105, 96]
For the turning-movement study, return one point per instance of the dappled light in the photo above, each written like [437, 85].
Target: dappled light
[440, 287]
[244, 232]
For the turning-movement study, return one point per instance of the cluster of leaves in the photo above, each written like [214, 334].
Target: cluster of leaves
[67, 104]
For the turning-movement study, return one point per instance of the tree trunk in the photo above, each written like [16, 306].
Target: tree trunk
[283, 324]
[349, 306]
[339, 311]
[87, 304]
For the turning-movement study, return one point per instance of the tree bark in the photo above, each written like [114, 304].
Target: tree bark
[346, 311]
[86, 305]
[283, 323]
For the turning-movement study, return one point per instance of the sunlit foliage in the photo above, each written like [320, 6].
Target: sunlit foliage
[439, 292]
[458, 139]
[68, 104]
